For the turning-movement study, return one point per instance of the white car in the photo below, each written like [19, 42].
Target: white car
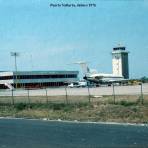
[77, 84]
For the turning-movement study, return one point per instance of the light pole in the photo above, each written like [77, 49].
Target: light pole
[15, 55]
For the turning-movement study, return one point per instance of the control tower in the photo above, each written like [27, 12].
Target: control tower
[120, 61]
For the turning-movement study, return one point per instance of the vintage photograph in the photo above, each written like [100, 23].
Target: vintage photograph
[73, 74]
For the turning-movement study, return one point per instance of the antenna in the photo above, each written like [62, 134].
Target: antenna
[31, 61]
[119, 44]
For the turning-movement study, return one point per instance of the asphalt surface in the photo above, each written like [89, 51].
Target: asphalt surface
[50, 134]
[119, 90]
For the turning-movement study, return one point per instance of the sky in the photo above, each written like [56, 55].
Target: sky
[53, 38]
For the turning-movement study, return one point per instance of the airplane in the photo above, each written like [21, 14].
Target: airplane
[100, 78]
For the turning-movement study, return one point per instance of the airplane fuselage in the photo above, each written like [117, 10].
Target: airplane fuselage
[103, 78]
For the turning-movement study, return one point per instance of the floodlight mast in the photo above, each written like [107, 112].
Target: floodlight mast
[15, 55]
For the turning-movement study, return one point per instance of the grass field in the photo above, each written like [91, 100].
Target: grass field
[100, 108]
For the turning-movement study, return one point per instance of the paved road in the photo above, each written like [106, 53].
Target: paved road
[119, 90]
[44, 134]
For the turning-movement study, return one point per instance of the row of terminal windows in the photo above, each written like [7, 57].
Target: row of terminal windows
[37, 76]
[35, 85]
[39, 85]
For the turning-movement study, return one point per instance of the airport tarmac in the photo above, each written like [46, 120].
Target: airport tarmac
[97, 91]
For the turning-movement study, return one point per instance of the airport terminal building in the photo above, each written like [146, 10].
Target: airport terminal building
[37, 79]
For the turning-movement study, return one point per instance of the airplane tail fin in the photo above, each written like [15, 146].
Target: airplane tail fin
[85, 68]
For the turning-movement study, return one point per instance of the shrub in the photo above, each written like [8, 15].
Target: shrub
[20, 106]
[126, 103]
[57, 106]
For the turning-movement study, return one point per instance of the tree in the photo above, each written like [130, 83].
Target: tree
[144, 79]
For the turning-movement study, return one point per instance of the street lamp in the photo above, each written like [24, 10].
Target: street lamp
[15, 55]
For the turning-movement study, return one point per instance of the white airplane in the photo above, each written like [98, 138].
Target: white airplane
[99, 78]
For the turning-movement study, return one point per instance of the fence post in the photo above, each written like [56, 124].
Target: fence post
[142, 99]
[28, 98]
[12, 96]
[46, 95]
[66, 94]
[114, 93]
[88, 91]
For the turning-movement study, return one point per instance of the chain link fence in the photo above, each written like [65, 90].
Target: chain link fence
[113, 94]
